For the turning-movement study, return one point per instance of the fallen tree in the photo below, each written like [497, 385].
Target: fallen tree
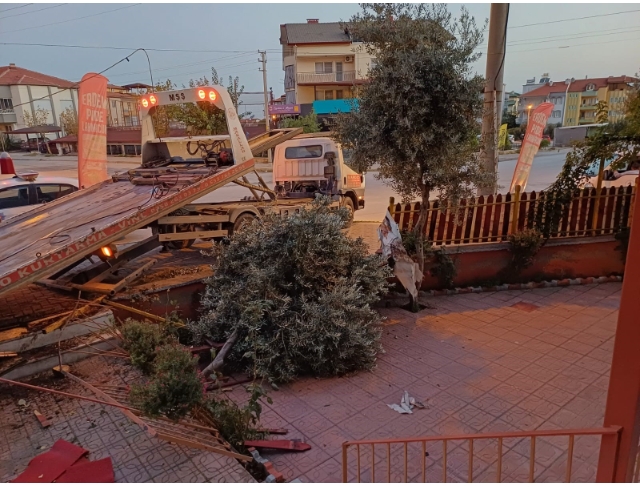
[293, 295]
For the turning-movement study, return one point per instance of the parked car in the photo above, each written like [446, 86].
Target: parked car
[39, 144]
[612, 177]
[25, 191]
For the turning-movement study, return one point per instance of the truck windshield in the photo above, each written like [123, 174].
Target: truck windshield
[303, 152]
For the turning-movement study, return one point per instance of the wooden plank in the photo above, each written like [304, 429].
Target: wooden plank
[188, 219]
[12, 334]
[167, 237]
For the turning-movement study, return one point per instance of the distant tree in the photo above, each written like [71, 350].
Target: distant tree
[38, 118]
[69, 121]
[510, 120]
[417, 114]
[602, 112]
[309, 123]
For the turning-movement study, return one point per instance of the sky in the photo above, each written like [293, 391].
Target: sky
[228, 36]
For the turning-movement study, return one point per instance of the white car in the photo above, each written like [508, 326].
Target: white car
[25, 191]
[611, 177]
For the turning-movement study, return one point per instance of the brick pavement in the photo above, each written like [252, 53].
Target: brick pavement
[102, 430]
[511, 360]
[31, 303]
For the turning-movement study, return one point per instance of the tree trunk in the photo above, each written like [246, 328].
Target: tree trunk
[218, 362]
[419, 231]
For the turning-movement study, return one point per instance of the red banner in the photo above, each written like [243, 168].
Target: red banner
[530, 145]
[92, 130]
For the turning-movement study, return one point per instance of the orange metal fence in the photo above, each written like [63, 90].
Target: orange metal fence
[414, 461]
[493, 218]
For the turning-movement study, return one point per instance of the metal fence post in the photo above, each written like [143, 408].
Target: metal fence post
[515, 203]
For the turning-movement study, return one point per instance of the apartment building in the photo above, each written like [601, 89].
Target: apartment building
[323, 66]
[575, 101]
[25, 91]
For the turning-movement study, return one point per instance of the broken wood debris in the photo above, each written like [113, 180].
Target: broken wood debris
[285, 445]
[8, 354]
[44, 422]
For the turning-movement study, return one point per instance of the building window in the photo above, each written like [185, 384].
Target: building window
[328, 94]
[339, 94]
[6, 104]
[374, 63]
[324, 68]
[289, 77]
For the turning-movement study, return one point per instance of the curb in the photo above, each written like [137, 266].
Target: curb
[273, 475]
[528, 285]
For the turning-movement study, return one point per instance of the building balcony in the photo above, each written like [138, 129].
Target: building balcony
[7, 116]
[587, 107]
[343, 77]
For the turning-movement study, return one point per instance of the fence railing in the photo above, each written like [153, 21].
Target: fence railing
[337, 77]
[493, 218]
[418, 459]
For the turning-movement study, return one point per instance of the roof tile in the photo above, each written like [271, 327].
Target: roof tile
[15, 75]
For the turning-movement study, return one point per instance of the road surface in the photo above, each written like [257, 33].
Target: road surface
[546, 167]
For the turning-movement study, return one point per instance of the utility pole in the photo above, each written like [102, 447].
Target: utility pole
[263, 60]
[494, 90]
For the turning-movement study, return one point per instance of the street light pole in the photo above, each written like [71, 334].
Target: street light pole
[529, 113]
[566, 98]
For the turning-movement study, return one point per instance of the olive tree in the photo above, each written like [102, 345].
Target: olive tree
[417, 115]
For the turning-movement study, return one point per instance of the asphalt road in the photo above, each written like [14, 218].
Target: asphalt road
[546, 167]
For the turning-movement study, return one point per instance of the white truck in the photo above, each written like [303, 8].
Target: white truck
[303, 166]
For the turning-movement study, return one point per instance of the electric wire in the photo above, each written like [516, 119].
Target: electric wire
[33, 11]
[16, 8]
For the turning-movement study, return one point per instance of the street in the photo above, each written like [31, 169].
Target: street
[546, 167]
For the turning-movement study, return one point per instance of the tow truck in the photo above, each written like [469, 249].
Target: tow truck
[163, 192]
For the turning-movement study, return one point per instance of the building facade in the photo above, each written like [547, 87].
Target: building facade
[23, 91]
[323, 66]
[575, 101]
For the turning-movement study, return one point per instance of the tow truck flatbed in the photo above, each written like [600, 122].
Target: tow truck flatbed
[47, 239]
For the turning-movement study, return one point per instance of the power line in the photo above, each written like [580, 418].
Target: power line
[75, 85]
[114, 48]
[33, 11]
[71, 20]
[575, 18]
[16, 8]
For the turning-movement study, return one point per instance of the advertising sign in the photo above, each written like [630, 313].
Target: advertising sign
[530, 145]
[284, 109]
[92, 130]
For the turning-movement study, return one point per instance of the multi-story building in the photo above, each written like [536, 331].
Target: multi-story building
[575, 101]
[511, 102]
[323, 66]
[25, 91]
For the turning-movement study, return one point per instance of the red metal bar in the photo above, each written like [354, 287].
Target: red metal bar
[471, 460]
[570, 459]
[444, 462]
[499, 473]
[623, 398]
[345, 478]
[532, 460]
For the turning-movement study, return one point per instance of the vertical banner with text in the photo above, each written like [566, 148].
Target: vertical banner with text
[92, 130]
[502, 137]
[530, 145]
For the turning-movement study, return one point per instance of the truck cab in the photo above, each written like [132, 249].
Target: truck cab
[312, 163]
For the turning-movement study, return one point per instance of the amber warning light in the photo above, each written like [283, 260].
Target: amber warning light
[153, 99]
[145, 102]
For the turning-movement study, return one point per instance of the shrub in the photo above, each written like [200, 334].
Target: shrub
[443, 268]
[298, 291]
[175, 387]
[141, 341]
[544, 143]
[523, 247]
[236, 424]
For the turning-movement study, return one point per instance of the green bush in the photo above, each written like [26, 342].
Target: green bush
[443, 268]
[544, 143]
[523, 247]
[175, 386]
[299, 293]
[141, 340]
[235, 424]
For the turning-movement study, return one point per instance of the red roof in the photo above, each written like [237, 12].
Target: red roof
[15, 75]
[577, 86]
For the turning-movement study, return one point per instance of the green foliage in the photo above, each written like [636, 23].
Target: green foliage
[443, 268]
[201, 118]
[175, 387]
[523, 247]
[602, 112]
[417, 114]
[510, 120]
[142, 339]
[410, 243]
[235, 424]
[309, 123]
[8, 143]
[622, 236]
[299, 292]
[544, 143]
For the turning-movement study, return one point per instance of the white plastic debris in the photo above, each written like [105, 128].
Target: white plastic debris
[405, 269]
[406, 404]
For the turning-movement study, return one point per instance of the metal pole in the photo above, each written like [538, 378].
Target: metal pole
[493, 90]
[263, 60]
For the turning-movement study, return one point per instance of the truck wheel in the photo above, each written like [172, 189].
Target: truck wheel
[348, 204]
[242, 221]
